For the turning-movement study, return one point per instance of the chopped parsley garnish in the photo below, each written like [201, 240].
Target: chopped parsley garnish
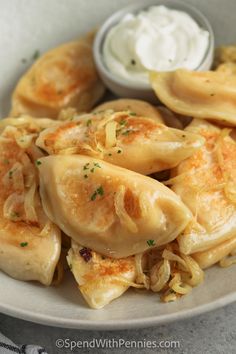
[38, 162]
[89, 122]
[133, 62]
[132, 113]
[123, 122]
[109, 154]
[98, 191]
[151, 243]
[6, 162]
[96, 164]
[36, 55]
[94, 196]
[10, 174]
[183, 136]
[86, 166]
[126, 132]
[119, 151]
[24, 244]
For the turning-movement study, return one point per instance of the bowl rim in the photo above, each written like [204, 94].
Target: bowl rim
[113, 19]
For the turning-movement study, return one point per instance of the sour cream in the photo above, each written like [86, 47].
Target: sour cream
[159, 39]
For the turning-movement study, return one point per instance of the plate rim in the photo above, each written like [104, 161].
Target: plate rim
[120, 324]
[113, 325]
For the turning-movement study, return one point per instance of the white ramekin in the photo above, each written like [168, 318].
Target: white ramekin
[123, 88]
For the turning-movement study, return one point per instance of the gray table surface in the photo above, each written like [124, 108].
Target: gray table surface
[213, 332]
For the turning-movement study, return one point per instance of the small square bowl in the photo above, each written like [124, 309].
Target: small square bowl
[144, 91]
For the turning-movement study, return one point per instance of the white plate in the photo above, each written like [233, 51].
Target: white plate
[29, 25]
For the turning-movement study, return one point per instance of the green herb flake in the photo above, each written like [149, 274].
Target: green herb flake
[36, 55]
[24, 244]
[96, 164]
[126, 132]
[133, 62]
[10, 174]
[86, 166]
[123, 122]
[132, 113]
[89, 122]
[119, 152]
[98, 191]
[85, 176]
[151, 243]
[38, 163]
[109, 154]
[94, 196]
[92, 170]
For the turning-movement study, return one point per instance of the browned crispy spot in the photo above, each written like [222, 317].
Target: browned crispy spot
[110, 267]
[52, 138]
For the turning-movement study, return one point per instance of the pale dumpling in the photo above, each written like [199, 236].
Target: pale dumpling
[122, 138]
[27, 253]
[30, 244]
[206, 184]
[100, 279]
[206, 95]
[63, 77]
[109, 209]
[27, 125]
[141, 108]
[207, 258]
[144, 109]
